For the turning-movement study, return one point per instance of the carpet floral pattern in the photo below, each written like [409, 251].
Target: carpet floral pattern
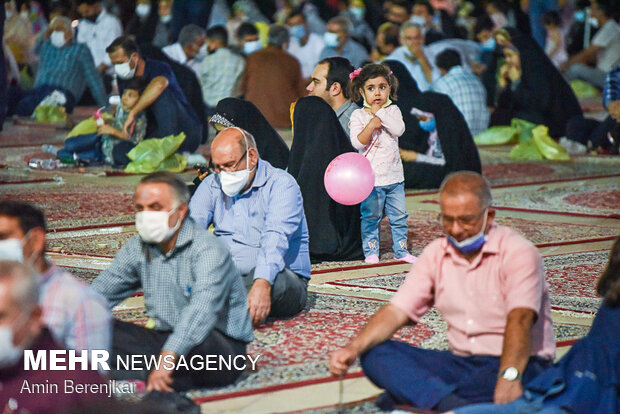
[579, 197]
[70, 206]
[93, 244]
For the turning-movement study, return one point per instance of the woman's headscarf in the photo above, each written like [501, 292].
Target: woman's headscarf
[319, 138]
[457, 144]
[245, 115]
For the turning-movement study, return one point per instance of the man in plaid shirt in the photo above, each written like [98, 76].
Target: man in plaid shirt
[193, 293]
[76, 315]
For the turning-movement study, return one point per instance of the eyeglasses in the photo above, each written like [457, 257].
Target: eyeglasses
[463, 221]
[232, 168]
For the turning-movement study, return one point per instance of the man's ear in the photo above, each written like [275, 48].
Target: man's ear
[335, 89]
[35, 240]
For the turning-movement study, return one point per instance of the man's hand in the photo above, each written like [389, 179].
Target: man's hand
[341, 360]
[130, 124]
[478, 68]
[259, 301]
[407, 155]
[417, 51]
[507, 391]
[102, 68]
[614, 110]
[161, 379]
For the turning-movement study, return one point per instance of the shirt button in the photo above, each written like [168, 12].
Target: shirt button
[470, 322]
[472, 340]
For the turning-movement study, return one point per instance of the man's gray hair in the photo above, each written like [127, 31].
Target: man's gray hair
[343, 22]
[278, 35]
[409, 25]
[24, 283]
[178, 186]
[190, 33]
[64, 20]
[470, 181]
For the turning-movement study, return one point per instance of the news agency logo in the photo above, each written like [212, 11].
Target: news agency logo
[99, 360]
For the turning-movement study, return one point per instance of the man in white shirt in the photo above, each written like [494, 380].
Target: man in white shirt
[303, 44]
[221, 70]
[97, 29]
[593, 63]
[415, 56]
[190, 49]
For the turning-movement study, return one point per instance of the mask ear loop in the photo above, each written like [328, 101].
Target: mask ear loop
[247, 147]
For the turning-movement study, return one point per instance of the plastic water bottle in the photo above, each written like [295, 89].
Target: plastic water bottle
[46, 164]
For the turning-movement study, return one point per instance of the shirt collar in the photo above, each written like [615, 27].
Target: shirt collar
[51, 271]
[343, 108]
[456, 70]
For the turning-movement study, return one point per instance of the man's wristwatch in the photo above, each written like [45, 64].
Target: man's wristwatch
[510, 374]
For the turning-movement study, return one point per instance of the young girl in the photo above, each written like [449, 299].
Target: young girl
[374, 132]
[555, 48]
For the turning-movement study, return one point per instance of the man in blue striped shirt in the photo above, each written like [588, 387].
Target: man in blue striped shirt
[257, 210]
[65, 65]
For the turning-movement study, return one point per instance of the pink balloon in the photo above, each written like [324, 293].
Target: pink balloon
[349, 178]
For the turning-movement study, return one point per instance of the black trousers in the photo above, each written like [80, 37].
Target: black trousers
[130, 339]
[289, 292]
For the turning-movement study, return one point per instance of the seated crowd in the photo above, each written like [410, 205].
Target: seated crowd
[219, 259]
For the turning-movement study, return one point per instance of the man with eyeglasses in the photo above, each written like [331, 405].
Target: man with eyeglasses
[257, 210]
[488, 283]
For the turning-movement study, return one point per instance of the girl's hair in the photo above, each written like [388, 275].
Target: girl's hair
[609, 283]
[371, 71]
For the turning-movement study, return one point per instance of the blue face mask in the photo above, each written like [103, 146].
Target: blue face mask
[471, 244]
[298, 31]
[357, 12]
[252, 46]
[428, 125]
[489, 44]
[331, 39]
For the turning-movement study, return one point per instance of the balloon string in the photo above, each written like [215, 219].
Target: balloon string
[372, 144]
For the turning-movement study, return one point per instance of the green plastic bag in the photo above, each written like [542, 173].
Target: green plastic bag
[583, 89]
[549, 149]
[526, 151]
[524, 127]
[87, 126]
[50, 114]
[149, 154]
[497, 135]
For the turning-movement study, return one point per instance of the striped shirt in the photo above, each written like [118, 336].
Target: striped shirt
[77, 316]
[469, 96]
[72, 68]
[191, 290]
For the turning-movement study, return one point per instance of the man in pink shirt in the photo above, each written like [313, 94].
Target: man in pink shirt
[488, 283]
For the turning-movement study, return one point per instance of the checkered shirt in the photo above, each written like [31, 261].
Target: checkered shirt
[77, 316]
[612, 86]
[220, 74]
[469, 96]
[191, 290]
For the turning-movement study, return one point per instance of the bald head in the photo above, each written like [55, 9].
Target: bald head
[467, 182]
[234, 149]
[233, 139]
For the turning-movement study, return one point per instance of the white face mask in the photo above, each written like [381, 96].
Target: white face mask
[12, 249]
[471, 244]
[124, 70]
[25, 15]
[233, 182]
[9, 14]
[251, 47]
[165, 19]
[143, 10]
[418, 20]
[153, 225]
[58, 39]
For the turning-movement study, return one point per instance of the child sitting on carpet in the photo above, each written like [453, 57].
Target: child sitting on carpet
[110, 143]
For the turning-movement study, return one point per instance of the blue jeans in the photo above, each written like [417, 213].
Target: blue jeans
[423, 377]
[391, 199]
[87, 147]
[523, 405]
[24, 102]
